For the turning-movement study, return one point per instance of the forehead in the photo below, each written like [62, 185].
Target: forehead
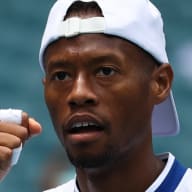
[97, 44]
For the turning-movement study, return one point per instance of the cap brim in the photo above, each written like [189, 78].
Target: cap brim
[165, 119]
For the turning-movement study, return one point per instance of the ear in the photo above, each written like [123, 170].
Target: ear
[161, 83]
[44, 81]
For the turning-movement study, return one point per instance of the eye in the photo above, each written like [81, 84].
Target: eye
[61, 76]
[106, 71]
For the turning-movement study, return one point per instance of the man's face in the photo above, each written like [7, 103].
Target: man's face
[97, 90]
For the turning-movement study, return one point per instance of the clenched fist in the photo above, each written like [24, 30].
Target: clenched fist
[15, 128]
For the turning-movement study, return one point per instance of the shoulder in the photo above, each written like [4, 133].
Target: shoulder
[69, 187]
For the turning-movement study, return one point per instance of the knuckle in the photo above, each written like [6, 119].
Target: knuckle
[24, 133]
[5, 153]
[25, 119]
[8, 154]
[16, 143]
[5, 157]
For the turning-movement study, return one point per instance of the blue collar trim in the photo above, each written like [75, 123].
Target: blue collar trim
[173, 178]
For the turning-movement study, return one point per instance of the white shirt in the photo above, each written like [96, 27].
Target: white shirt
[173, 178]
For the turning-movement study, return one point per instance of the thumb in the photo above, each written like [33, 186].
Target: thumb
[34, 127]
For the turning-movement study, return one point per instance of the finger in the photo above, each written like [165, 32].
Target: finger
[14, 129]
[34, 127]
[5, 156]
[25, 120]
[10, 141]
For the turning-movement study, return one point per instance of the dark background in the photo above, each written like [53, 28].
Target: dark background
[21, 25]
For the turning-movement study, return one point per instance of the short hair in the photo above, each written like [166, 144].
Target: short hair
[79, 8]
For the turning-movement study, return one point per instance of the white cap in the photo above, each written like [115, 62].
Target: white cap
[138, 21]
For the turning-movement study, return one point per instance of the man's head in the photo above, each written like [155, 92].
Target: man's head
[104, 78]
[138, 21]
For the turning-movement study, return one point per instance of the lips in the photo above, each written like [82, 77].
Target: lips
[82, 124]
[83, 129]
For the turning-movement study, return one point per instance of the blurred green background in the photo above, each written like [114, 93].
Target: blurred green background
[21, 25]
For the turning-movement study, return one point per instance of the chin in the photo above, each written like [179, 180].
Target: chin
[88, 160]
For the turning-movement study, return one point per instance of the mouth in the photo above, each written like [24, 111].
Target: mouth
[83, 128]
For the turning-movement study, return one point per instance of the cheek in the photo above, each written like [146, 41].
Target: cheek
[55, 104]
[54, 107]
[129, 124]
[50, 99]
[128, 107]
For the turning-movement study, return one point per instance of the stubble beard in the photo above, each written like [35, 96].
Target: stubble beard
[90, 161]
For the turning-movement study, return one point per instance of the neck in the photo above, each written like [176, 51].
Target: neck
[123, 175]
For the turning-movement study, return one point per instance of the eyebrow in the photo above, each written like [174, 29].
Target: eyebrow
[96, 59]
[60, 63]
[92, 59]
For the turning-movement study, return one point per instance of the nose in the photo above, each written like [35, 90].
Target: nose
[82, 93]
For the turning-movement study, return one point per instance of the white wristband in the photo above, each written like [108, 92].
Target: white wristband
[12, 116]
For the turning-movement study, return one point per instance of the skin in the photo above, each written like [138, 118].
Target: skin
[11, 136]
[116, 87]
[89, 79]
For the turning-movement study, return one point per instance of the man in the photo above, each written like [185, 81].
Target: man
[108, 90]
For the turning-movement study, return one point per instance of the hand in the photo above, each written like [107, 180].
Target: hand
[11, 137]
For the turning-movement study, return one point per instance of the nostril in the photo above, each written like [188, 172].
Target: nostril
[89, 101]
[76, 103]
[73, 103]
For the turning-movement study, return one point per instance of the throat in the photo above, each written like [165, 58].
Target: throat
[123, 176]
